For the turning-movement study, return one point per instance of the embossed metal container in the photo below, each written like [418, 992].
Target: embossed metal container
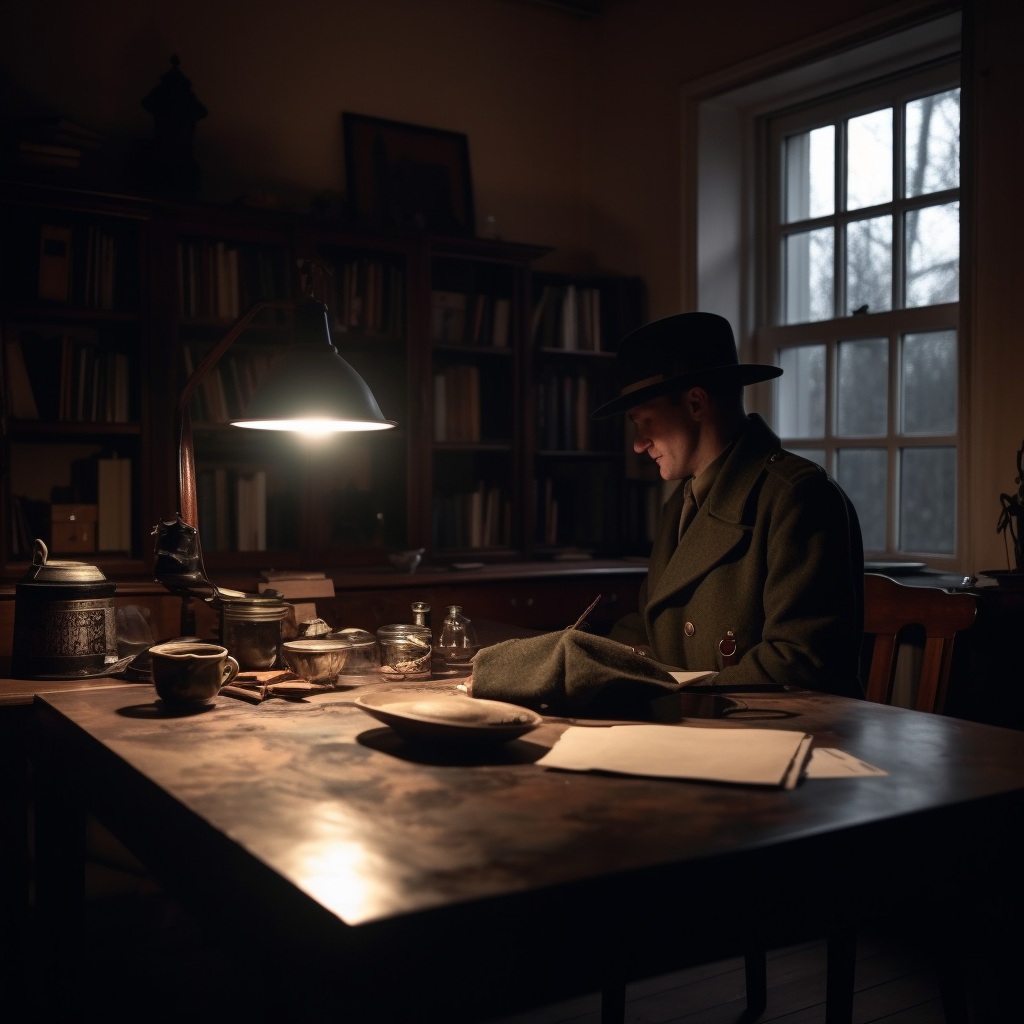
[64, 623]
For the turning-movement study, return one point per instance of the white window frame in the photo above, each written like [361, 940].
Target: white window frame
[723, 169]
[893, 324]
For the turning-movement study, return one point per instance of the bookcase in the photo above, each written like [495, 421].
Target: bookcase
[74, 322]
[107, 304]
[590, 493]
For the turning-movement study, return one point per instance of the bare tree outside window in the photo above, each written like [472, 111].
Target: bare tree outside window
[864, 296]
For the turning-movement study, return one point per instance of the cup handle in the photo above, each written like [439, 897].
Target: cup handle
[230, 670]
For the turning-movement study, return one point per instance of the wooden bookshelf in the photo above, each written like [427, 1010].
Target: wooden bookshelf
[107, 303]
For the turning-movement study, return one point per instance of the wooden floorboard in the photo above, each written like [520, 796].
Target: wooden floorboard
[895, 984]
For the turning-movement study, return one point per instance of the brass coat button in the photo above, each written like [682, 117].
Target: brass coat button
[688, 629]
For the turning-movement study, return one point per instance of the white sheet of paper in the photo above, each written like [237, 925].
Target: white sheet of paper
[761, 757]
[686, 678]
[830, 763]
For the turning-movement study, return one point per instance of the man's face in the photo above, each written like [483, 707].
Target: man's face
[668, 432]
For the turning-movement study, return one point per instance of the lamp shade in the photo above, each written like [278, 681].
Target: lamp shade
[311, 388]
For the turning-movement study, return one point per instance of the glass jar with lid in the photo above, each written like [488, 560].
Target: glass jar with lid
[364, 654]
[405, 651]
[251, 629]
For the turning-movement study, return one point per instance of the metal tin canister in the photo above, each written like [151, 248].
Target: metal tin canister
[251, 629]
[64, 623]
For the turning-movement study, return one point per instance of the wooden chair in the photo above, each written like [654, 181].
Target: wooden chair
[890, 609]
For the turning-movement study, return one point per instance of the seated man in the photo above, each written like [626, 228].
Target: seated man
[757, 566]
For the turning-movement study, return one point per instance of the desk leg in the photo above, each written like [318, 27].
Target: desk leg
[840, 974]
[15, 864]
[60, 878]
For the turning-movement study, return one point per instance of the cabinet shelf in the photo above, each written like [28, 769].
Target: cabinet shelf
[441, 330]
[41, 430]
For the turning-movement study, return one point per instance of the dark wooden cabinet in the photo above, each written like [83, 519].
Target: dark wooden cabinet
[108, 303]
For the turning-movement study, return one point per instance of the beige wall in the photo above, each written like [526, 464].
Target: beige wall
[574, 128]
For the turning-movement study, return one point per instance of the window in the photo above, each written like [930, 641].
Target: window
[861, 305]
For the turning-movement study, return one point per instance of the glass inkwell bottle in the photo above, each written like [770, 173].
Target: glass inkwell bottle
[457, 642]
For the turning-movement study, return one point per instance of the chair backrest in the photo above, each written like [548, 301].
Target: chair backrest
[891, 607]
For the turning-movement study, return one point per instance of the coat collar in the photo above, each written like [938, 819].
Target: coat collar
[719, 524]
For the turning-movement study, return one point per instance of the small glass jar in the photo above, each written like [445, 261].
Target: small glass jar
[405, 651]
[364, 654]
[251, 629]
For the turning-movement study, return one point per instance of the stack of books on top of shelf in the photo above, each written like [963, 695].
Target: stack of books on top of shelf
[457, 404]
[66, 377]
[460, 319]
[568, 317]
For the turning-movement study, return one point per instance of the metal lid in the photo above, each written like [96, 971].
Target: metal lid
[358, 638]
[46, 570]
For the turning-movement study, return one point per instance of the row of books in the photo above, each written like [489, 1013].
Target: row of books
[56, 259]
[563, 413]
[367, 295]
[457, 403]
[224, 393]
[66, 377]
[567, 317]
[586, 512]
[460, 319]
[114, 505]
[473, 519]
[219, 280]
[232, 509]
[47, 142]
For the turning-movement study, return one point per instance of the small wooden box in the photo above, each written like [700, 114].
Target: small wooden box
[72, 529]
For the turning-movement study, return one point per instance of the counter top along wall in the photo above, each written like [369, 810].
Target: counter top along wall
[536, 595]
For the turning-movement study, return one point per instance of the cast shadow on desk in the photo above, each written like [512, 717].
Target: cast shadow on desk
[156, 708]
[449, 755]
[672, 708]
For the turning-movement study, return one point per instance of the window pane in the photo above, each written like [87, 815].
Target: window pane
[927, 500]
[814, 454]
[800, 392]
[933, 143]
[869, 265]
[933, 255]
[928, 383]
[863, 388]
[869, 159]
[809, 276]
[810, 174]
[861, 473]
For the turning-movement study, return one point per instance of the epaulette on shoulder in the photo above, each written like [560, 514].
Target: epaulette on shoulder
[791, 468]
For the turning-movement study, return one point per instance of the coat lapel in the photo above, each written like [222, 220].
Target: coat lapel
[719, 525]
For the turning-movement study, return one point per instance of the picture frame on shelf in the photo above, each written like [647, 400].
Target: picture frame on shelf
[407, 177]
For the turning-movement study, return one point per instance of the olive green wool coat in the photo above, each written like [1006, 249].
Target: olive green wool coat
[773, 554]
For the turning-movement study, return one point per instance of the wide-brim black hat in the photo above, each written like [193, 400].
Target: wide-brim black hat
[675, 354]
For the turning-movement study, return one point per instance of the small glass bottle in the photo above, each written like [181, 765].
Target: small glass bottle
[421, 613]
[457, 642]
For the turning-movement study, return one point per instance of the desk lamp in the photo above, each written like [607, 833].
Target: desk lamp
[310, 389]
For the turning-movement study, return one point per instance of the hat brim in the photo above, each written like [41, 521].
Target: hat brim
[740, 373]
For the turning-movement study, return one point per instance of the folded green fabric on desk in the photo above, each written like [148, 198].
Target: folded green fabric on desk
[569, 672]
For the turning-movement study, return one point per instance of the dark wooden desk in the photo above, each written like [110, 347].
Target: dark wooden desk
[403, 883]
